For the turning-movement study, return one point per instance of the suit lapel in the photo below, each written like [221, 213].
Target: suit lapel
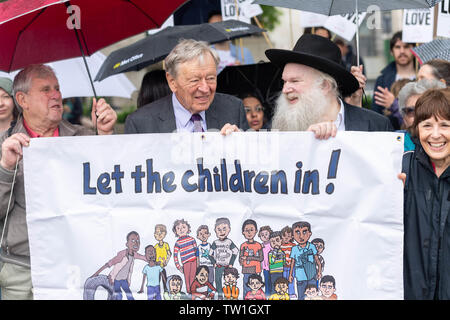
[212, 122]
[167, 116]
[353, 122]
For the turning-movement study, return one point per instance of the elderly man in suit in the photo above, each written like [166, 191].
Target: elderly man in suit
[314, 80]
[194, 104]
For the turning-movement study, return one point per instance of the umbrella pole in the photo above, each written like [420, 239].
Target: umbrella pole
[357, 32]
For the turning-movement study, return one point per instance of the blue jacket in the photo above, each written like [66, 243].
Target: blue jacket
[385, 80]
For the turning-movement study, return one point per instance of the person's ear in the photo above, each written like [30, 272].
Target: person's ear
[171, 81]
[21, 99]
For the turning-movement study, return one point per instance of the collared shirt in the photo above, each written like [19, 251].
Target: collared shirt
[33, 134]
[339, 122]
[183, 117]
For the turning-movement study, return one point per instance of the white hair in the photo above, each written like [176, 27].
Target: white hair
[416, 89]
[309, 109]
[187, 50]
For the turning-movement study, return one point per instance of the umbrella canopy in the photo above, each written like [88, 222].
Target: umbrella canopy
[39, 31]
[436, 49]
[157, 46]
[262, 79]
[334, 7]
[74, 82]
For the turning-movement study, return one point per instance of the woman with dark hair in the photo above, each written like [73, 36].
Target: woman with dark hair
[154, 86]
[435, 69]
[427, 200]
[255, 111]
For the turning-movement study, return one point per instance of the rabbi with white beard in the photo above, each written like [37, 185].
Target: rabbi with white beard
[314, 82]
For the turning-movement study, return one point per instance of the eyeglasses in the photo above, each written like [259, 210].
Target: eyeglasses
[408, 111]
[258, 108]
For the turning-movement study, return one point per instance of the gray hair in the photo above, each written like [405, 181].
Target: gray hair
[22, 80]
[417, 88]
[333, 83]
[187, 50]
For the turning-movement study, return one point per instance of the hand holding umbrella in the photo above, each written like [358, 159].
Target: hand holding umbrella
[103, 116]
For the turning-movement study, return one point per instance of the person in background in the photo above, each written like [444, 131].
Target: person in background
[349, 58]
[255, 111]
[229, 54]
[73, 110]
[390, 103]
[320, 31]
[402, 67]
[407, 99]
[435, 69]
[153, 87]
[8, 112]
[426, 176]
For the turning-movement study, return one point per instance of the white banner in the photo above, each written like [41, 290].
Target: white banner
[344, 25]
[311, 19]
[93, 204]
[443, 20]
[418, 25]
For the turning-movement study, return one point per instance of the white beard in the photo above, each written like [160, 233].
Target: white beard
[309, 109]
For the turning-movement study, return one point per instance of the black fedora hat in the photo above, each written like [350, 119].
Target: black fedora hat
[319, 53]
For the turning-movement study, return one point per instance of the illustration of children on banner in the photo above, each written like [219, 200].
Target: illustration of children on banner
[290, 270]
[223, 252]
[122, 267]
[250, 253]
[187, 249]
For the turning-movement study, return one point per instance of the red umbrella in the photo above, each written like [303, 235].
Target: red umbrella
[39, 31]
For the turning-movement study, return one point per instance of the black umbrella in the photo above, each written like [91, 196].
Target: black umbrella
[156, 47]
[262, 79]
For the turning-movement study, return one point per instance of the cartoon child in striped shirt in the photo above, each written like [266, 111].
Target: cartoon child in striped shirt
[186, 247]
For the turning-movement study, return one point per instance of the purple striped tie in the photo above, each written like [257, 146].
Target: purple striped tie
[197, 120]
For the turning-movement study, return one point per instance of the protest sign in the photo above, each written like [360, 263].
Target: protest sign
[311, 19]
[95, 204]
[443, 20]
[231, 10]
[246, 10]
[418, 25]
[344, 25]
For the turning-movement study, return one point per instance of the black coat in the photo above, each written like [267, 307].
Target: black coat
[426, 269]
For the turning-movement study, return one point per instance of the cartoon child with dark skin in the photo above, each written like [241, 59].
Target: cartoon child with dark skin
[255, 283]
[286, 246]
[201, 289]
[277, 258]
[163, 253]
[264, 233]
[174, 284]
[281, 289]
[152, 272]
[320, 246]
[230, 290]
[328, 288]
[204, 247]
[250, 253]
[122, 267]
[187, 248]
[304, 258]
[223, 252]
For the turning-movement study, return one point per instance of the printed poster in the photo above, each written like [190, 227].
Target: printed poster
[252, 215]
